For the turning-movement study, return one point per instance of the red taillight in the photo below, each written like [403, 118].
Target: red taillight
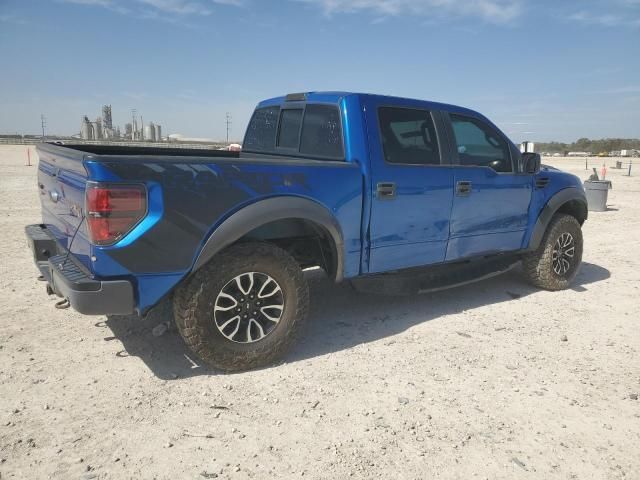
[113, 210]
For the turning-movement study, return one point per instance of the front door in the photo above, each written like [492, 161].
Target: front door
[412, 190]
[491, 201]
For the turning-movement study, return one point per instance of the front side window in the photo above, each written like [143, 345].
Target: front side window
[408, 136]
[261, 132]
[480, 145]
[321, 132]
[289, 134]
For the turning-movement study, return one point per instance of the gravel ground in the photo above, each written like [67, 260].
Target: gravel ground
[493, 380]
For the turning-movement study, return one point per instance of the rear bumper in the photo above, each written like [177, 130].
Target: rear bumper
[68, 278]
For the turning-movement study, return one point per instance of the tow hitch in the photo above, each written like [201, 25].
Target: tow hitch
[62, 304]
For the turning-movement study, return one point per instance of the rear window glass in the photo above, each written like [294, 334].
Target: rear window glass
[321, 132]
[261, 132]
[289, 135]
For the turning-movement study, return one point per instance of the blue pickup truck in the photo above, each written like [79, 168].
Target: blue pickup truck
[392, 194]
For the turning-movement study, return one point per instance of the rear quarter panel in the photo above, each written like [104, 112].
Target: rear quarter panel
[198, 194]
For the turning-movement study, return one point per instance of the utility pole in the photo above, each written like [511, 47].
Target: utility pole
[43, 122]
[228, 122]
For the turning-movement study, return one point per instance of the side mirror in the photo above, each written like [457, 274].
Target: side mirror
[531, 162]
[496, 164]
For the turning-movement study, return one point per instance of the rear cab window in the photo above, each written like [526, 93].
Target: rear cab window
[289, 130]
[261, 132]
[322, 132]
[307, 130]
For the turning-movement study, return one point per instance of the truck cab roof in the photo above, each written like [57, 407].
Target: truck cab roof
[336, 97]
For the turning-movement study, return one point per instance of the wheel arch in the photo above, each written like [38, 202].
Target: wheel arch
[571, 201]
[255, 216]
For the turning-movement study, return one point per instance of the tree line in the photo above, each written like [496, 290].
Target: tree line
[587, 145]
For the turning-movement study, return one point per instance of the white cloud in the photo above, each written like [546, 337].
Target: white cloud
[108, 4]
[167, 10]
[620, 13]
[494, 11]
[233, 3]
[605, 20]
[180, 7]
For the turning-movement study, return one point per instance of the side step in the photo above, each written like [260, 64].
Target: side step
[435, 278]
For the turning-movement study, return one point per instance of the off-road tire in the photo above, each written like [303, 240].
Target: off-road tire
[539, 266]
[193, 307]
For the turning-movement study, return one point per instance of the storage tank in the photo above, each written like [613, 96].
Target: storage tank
[158, 133]
[86, 129]
[150, 132]
[97, 129]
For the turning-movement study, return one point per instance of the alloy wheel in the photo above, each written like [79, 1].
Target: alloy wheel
[563, 253]
[248, 307]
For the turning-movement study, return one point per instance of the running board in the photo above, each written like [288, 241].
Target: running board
[433, 279]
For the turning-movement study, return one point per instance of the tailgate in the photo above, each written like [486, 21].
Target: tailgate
[61, 181]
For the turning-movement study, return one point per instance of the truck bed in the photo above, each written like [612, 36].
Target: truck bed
[190, 193]
[151, 151]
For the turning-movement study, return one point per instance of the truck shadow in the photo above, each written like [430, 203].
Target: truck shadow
[340, 318]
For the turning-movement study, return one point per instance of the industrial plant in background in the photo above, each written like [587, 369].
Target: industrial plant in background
[102, 128]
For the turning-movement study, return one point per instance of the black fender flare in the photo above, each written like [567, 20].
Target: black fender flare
[266, 211]
[550, 209]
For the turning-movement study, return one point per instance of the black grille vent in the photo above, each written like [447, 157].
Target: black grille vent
[542, 182]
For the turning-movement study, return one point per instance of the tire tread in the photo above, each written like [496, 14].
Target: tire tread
[188, 296]
[538, 265]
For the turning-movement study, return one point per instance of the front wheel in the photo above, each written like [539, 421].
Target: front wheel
[555, 264]
[244, 308]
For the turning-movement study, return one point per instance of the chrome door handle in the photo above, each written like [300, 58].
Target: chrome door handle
[463, 188]
[386, 190]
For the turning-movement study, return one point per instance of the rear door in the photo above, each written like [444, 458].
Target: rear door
[412, 187]
[492, 198]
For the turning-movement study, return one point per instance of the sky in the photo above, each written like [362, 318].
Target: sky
[541, 70]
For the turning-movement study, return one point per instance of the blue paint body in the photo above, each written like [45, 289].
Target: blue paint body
[191, 197]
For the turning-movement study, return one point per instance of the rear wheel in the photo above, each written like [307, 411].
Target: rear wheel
[243, 309]
[555, 264]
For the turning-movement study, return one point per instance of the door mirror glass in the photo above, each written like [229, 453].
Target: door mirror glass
[531, 162]
[496, 165]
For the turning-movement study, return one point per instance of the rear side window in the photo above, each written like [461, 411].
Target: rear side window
[480, 145]
[321, 132]
[261, 132]
[289, 134]
[408, 136]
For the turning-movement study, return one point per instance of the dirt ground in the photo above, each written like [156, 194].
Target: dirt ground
[493, 380]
